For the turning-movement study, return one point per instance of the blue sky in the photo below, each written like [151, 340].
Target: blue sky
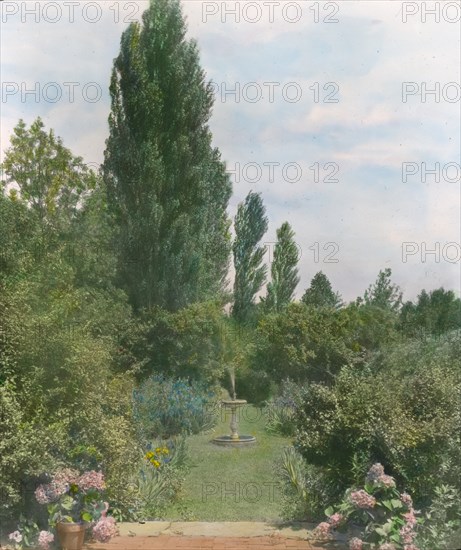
[362, 60]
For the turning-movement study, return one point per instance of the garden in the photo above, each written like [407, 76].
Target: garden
[125, 348]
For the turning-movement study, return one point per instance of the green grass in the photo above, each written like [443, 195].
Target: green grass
[227, 484]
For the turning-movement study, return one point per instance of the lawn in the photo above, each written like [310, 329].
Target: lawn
[228, 484]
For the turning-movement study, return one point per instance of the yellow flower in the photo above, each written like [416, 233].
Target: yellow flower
[158, 450]
[156, 463]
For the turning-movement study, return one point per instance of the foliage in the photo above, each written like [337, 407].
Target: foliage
[383, 293]
[50, 179]
[283, 270]
[442, 521]
[304, 491]
[403, 416]
[187, 343]
[250, 225]
[436, 312]
[158, 483]
[320, 293]
[166, 407]
[386, 517]
[303, 344]
[280, 410]
[167, 186]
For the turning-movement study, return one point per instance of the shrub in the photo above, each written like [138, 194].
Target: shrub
[166, 407]
[405, 419]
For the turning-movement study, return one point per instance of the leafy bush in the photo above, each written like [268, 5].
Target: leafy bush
[406, 419]
[303, 344]
[166, 407]
[442, 525]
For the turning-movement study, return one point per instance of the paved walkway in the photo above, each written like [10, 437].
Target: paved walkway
[157, 535]
[168, 542]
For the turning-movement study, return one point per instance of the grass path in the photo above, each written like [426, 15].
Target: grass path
[228, 484]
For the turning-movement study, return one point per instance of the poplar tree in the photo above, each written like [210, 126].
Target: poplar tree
[284, 270]
[167, 186]
[250, 273]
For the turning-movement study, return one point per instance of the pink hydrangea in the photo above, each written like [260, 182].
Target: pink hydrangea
[406, 499]
[105, 529]
[362, 499]
[91, 480]
[335, 519]
[355, 544]
[410, 518]
[386, 480]
[407, 534]
[49, 492]
[322, 531]
[45, 538]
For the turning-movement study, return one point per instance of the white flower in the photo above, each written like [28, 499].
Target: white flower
[16, 536]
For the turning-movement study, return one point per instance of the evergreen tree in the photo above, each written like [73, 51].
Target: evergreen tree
[383, 293]
[283, 270]
[250, 225]
[167, 186]
[320, 293]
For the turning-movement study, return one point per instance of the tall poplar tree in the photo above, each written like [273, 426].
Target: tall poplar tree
[284, 270]
[167, 186]
[250, 273]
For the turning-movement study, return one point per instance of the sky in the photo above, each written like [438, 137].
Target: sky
[344, 115]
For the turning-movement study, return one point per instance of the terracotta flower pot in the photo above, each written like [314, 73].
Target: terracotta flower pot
[71, 535]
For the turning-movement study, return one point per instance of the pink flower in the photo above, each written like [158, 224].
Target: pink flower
[410, 518]
[335, 519]
[406, 499]
[91, 480]
[407, 534]
[362, 499]
[322, 531]
[16, 536]
[45, 538]
[386, 480]
[105, 529]
[387, 546]
[355, 544]
[410, 547]
[49, 492]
